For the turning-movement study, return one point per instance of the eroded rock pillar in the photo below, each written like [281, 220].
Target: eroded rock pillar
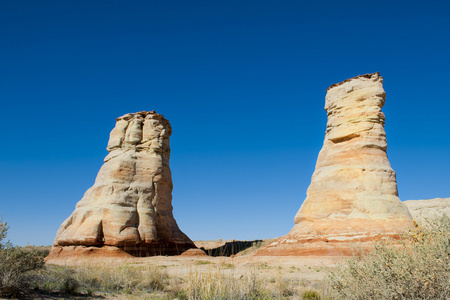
[128, 210]
[353, 192]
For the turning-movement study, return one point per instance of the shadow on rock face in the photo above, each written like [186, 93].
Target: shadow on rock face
[158, 249]
[230, 248]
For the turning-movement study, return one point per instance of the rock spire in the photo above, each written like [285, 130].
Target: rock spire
[353, 192]
[128, 210]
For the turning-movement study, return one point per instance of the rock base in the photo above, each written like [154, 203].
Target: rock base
[316, 246]
[335, 237]
[86, 252]
[65, 252]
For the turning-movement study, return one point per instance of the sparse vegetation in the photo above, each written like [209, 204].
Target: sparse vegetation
[22, 272]
[264, 266]
[227, 265]
[418, 268]
[203, 262]
[146, 281]
[125, 279]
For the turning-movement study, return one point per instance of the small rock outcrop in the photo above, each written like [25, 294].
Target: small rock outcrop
[128, 210]
[353, 192]
[421, 210]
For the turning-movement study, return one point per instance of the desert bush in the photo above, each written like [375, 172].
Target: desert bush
[106, 279]
[310, 295]
[15, 262]
[56, 279]
[42, 250]
[417, 268]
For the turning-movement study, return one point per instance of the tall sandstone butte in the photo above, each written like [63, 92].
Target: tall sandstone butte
[128, 211]
[353, 193]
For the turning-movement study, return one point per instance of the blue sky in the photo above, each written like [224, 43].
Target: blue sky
[243, 85]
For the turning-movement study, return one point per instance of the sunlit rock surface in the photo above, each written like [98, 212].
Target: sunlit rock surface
[423, 210]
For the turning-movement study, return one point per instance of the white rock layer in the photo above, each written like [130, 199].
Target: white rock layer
[421, 210]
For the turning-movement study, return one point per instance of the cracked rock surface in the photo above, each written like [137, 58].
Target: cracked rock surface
[130, 204]
[353, 192]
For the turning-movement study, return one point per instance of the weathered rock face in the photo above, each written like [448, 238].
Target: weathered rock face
[353, 192]
[130, 204]
[428, 209]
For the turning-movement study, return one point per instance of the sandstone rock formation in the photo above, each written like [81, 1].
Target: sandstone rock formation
[353, 192]
[428, 209]
[128, 210]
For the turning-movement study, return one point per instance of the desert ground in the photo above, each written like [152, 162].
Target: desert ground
[231, 270]
[290, 274]
[309, 268]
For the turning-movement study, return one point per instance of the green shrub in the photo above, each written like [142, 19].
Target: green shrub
[15, 262]
[417, 268]
[3, 231]
[311, 295]
[57, 279]
[69, 285]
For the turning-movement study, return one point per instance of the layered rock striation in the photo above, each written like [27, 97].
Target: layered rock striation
[353, 192]
[128, 210]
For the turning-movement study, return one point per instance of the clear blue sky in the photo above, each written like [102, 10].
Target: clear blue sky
[243, 85]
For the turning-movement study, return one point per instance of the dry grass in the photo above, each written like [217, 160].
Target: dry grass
[151, 282]
[126, 279]
[140, 280]
[225, 284]
[145, 281]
